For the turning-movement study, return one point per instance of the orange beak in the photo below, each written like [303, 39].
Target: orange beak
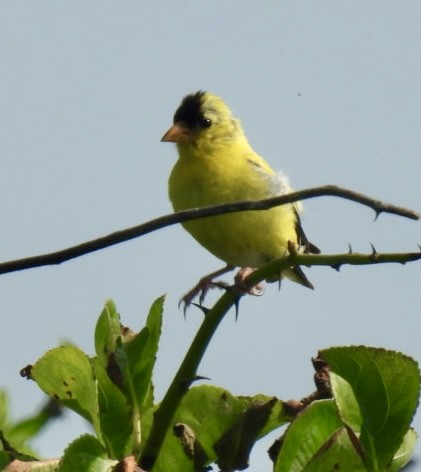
[178, 133]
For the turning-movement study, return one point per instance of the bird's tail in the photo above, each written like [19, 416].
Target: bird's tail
[296, 274]
[304, 245]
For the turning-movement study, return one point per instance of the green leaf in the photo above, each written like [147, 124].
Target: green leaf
[115, 415]
[405, 451]
[347, 404]
[213, 425]
[4, 409]
[338, 453]
[4, 459]
[107, 331]
[86, 454]
[311, 430]
[261, 415]
[16, 435]
[136, 358]
[349, 411]
[29, 427]
[386, 385]
[65, 373]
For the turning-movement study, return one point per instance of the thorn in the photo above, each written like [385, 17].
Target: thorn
[337, 267]
[374, 254]
[200, 377]
[202, 308]
[377, 214]
[350, 249]
[186, 384]
[419, 247]
[279, 283]
[237, 306]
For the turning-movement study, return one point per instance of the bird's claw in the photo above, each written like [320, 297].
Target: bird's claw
[239, 280]
[201, 289]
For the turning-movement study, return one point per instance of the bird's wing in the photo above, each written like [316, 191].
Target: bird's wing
[309, 248]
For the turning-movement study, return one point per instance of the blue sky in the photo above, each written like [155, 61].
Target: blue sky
[328, 92]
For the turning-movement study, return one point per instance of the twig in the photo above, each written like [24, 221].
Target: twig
[118, 237]
[336, 261]
[23, 466]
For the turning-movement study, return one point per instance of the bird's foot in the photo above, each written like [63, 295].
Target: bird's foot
[202, 287]
[207, 282]
[239, 280]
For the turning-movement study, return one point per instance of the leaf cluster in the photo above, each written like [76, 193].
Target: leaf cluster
[361, 423]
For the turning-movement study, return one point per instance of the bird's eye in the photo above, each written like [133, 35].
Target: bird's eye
[205, 122]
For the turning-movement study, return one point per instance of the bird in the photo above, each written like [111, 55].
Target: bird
[217, 165]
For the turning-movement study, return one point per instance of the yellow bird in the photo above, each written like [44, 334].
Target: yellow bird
[217, 165]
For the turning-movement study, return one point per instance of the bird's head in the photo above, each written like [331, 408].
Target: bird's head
[202, 120]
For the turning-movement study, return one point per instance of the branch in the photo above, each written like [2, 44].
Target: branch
[118, 237]
[336, 261]
[187, 373]
[22, 466]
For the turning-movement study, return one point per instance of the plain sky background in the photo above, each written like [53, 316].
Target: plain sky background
[329, 92]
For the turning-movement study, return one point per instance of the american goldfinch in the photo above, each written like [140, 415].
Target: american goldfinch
[217, 165]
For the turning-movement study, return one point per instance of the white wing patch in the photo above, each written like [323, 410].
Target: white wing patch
[280, 186]
[278, 183]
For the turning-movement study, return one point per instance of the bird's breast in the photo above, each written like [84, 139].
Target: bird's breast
[249, 238]
[216, 179]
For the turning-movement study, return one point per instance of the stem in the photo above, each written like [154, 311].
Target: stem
[163, 417]
[333, 260]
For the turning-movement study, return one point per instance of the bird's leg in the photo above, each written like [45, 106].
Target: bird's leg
[203, 286]
[239, 279]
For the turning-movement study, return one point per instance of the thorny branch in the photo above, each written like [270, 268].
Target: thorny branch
[118, 237]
